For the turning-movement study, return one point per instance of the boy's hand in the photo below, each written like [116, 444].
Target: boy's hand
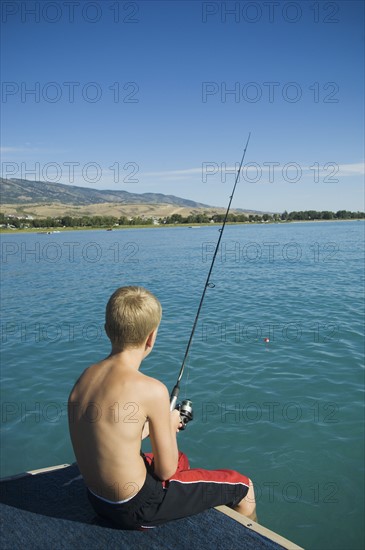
[176, 420]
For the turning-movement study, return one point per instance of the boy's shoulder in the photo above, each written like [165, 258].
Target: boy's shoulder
[114, 383]
[144, 390]
[156, 387]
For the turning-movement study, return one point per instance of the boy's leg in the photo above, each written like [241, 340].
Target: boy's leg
[192, 491]
[183, 461]
[247, 506]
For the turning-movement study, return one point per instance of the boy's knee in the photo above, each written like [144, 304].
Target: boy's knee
[250, 497]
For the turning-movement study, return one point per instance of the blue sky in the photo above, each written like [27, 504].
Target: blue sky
[159, 96]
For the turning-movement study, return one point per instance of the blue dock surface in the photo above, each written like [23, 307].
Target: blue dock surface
[50, 509]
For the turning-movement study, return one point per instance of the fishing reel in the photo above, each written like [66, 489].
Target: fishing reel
[185, 409]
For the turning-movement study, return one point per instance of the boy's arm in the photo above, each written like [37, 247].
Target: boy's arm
[146, 430]
[163, 426]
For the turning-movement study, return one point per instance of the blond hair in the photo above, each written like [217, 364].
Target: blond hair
[132, 313]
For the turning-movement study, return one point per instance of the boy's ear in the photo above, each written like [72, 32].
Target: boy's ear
[151, 339]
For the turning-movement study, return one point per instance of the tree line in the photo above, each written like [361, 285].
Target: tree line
[20, 222]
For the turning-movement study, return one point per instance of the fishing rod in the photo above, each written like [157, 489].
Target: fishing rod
[185, 408]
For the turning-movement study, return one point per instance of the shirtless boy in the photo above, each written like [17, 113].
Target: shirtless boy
[113, 406]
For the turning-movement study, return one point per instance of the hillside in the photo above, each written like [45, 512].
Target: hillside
[18, 191]
[45, 199]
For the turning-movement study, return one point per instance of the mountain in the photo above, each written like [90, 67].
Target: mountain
[19, 191]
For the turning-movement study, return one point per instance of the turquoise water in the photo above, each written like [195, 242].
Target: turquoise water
[288, 412]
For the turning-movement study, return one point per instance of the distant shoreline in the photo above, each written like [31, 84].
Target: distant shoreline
[50, 231]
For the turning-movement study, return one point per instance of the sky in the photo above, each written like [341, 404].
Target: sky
[160, 96]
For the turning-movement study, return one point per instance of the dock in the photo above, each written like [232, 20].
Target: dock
[48, 508]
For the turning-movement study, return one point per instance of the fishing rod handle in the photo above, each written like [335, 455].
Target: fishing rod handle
[173, 397]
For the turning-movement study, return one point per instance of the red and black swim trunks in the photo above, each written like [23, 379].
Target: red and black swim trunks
[187, 492]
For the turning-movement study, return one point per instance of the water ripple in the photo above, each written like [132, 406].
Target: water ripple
[288, 411]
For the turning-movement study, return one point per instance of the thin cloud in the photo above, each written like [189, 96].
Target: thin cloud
[4, 150]
[353, 169]
[28, 148]
[356, 169]
[172, 173]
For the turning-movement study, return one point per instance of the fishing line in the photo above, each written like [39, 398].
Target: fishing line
[186, 413]
[186, 383]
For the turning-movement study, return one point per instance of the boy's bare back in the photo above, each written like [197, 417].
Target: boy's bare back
[108, 409]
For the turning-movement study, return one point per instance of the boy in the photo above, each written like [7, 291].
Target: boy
[113, 406]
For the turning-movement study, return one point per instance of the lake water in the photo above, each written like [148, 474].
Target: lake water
[288, 412]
